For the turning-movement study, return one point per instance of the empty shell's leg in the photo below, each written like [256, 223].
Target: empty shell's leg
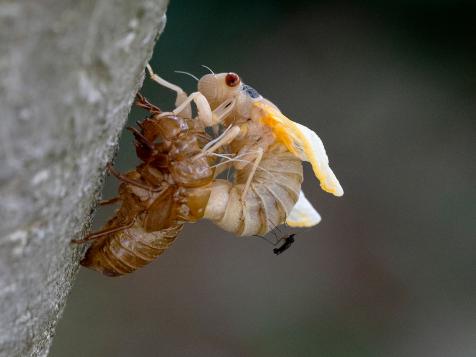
[103, 232]
[109, 201]
[132, 182]
[142, 102]
[141, 138]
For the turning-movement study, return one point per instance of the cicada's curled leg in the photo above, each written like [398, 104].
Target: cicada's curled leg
[205, 114]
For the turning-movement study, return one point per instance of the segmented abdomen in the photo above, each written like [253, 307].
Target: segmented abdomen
[125, 251]
[272, 195]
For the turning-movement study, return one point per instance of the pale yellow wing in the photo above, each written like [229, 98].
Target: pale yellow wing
[303, 214]
[301, 141]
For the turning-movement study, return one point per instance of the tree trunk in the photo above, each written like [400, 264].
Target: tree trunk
[69, 71]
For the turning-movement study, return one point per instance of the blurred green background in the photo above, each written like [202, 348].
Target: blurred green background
[390, 271]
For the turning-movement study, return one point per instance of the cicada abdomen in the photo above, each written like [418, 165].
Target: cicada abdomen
[272, 194]
[129, 240]
[130, 249]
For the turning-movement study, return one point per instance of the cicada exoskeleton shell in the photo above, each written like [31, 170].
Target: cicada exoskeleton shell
[156, 198]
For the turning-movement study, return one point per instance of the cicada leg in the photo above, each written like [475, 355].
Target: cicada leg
[141, 138]
[183, 103]
[205, 113]
[227, 137]
[259, 156]
[109, 201]
[186, 111]
[142, 102]
[132, 182]
[103, 233]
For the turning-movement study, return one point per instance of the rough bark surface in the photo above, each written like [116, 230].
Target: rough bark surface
[69, 71]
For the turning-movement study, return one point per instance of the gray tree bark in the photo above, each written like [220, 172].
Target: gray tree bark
[69, 71]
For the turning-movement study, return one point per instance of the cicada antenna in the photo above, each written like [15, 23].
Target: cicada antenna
[188, 74]
[211, 71]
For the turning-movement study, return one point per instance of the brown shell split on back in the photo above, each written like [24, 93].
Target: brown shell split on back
[153, 218]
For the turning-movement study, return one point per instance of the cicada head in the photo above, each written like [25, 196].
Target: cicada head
[218, 88]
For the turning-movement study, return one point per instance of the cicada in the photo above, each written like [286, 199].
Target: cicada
[266, 150]
[178, 180]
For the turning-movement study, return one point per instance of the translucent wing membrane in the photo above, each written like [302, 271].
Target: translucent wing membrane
[302, 142]
[303, 214]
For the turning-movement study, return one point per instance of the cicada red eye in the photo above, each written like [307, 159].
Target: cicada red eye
[232, 79]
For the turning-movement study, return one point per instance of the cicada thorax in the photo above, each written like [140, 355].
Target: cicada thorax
[172, 146]
[167, 147]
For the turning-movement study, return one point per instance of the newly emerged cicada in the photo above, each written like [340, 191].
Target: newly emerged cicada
[266, 150]
[178, 182]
